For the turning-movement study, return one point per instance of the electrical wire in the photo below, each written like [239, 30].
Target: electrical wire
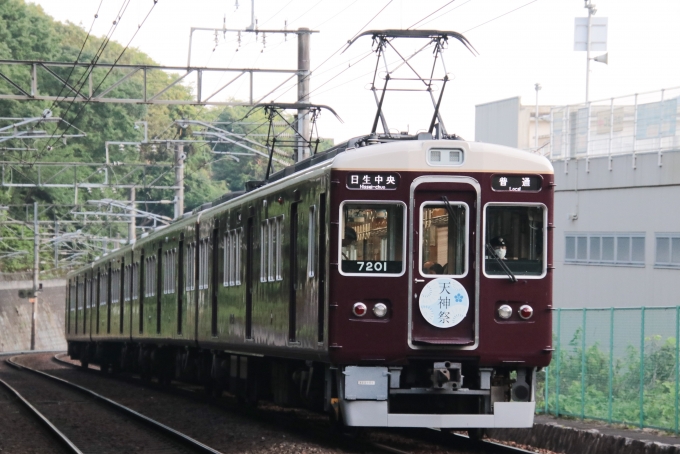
[498, 17]
[89, 32]
[447, 12]
[305, 13]
[276, 13]
[81, 81]
[338, 50]
[113, 66]
[433, 12]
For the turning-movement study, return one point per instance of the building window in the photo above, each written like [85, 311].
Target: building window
[667, 250]
[605, 249]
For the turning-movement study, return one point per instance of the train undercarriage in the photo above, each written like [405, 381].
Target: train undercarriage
[445, 394]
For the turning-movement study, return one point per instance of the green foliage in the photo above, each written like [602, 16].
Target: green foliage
[585, 385]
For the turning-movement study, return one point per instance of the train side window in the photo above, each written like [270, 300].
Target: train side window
[237, 243]
[372, 240]
[135, 280]
[203, 257]
[264, 255]
[150, 278]
[311, 236]
[170, 257]
[115, 286]
[515, 234]
[279, 240]
[189, 266]
[443, 239]
[103, 279]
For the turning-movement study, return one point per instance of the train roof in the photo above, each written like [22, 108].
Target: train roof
[405, 153]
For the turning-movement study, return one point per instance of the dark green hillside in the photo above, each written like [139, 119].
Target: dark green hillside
[27, 33]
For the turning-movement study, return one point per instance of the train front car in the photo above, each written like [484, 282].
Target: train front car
[440, 283]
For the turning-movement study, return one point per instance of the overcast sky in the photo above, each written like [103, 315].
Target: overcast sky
[532, 44]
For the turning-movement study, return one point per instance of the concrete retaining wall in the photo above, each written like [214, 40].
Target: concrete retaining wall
[15, 316]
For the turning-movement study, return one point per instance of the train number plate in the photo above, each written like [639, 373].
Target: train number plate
[371, 266]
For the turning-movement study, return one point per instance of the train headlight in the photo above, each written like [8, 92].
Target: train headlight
[505, 312]
[526, 312]
[359, 309]
[380, 310]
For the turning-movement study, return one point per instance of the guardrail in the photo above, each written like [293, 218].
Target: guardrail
[638, 123]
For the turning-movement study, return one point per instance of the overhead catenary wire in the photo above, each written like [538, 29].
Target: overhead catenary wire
[498, 17]
[339, 49]
[445, 13]
[113, 66]
[83, 78]
[433, 12]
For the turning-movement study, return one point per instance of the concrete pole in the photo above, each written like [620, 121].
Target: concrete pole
[36, 271]
[589, 6]
[132, 226]
[179, 181]
[303, 91]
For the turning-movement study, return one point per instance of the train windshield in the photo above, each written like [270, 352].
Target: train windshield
[372, 238]
[515, 237]
[444, 234]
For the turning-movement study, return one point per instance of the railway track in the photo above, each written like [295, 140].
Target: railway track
[389, 440]
[85, 421]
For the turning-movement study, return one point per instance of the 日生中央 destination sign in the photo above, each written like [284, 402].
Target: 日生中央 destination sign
[376, 181]
[516, 183]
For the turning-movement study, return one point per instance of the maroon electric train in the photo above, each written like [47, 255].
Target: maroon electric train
[395, 282]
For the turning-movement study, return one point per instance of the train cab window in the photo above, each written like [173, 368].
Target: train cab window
[443, 239]
[515, 240]
[372, 238]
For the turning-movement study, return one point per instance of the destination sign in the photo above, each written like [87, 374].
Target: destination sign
[373, 181]
[519, 183]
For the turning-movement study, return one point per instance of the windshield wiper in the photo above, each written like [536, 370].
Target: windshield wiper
[493, 254]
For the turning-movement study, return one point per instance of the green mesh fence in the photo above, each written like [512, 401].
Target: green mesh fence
[618, 365]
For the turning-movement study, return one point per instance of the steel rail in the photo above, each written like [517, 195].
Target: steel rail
[166, 430]
[63, 439]
[442, 437]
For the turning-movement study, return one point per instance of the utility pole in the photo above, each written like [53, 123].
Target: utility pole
[36, 271]
[591, 11]
[132, 236]
[179, 180]
[303, 91]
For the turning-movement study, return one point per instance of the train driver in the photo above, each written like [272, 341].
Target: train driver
[499, 247]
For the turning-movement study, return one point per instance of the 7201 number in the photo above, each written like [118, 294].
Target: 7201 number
[372, 267]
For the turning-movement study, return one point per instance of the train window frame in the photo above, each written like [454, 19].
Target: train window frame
[311, 241]
[545, 239]
[467, 239]
[231, 244]
[190, 267]
[404, 236]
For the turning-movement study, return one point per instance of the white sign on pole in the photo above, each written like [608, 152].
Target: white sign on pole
[598, 34]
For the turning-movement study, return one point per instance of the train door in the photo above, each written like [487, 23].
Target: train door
[444, 279]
